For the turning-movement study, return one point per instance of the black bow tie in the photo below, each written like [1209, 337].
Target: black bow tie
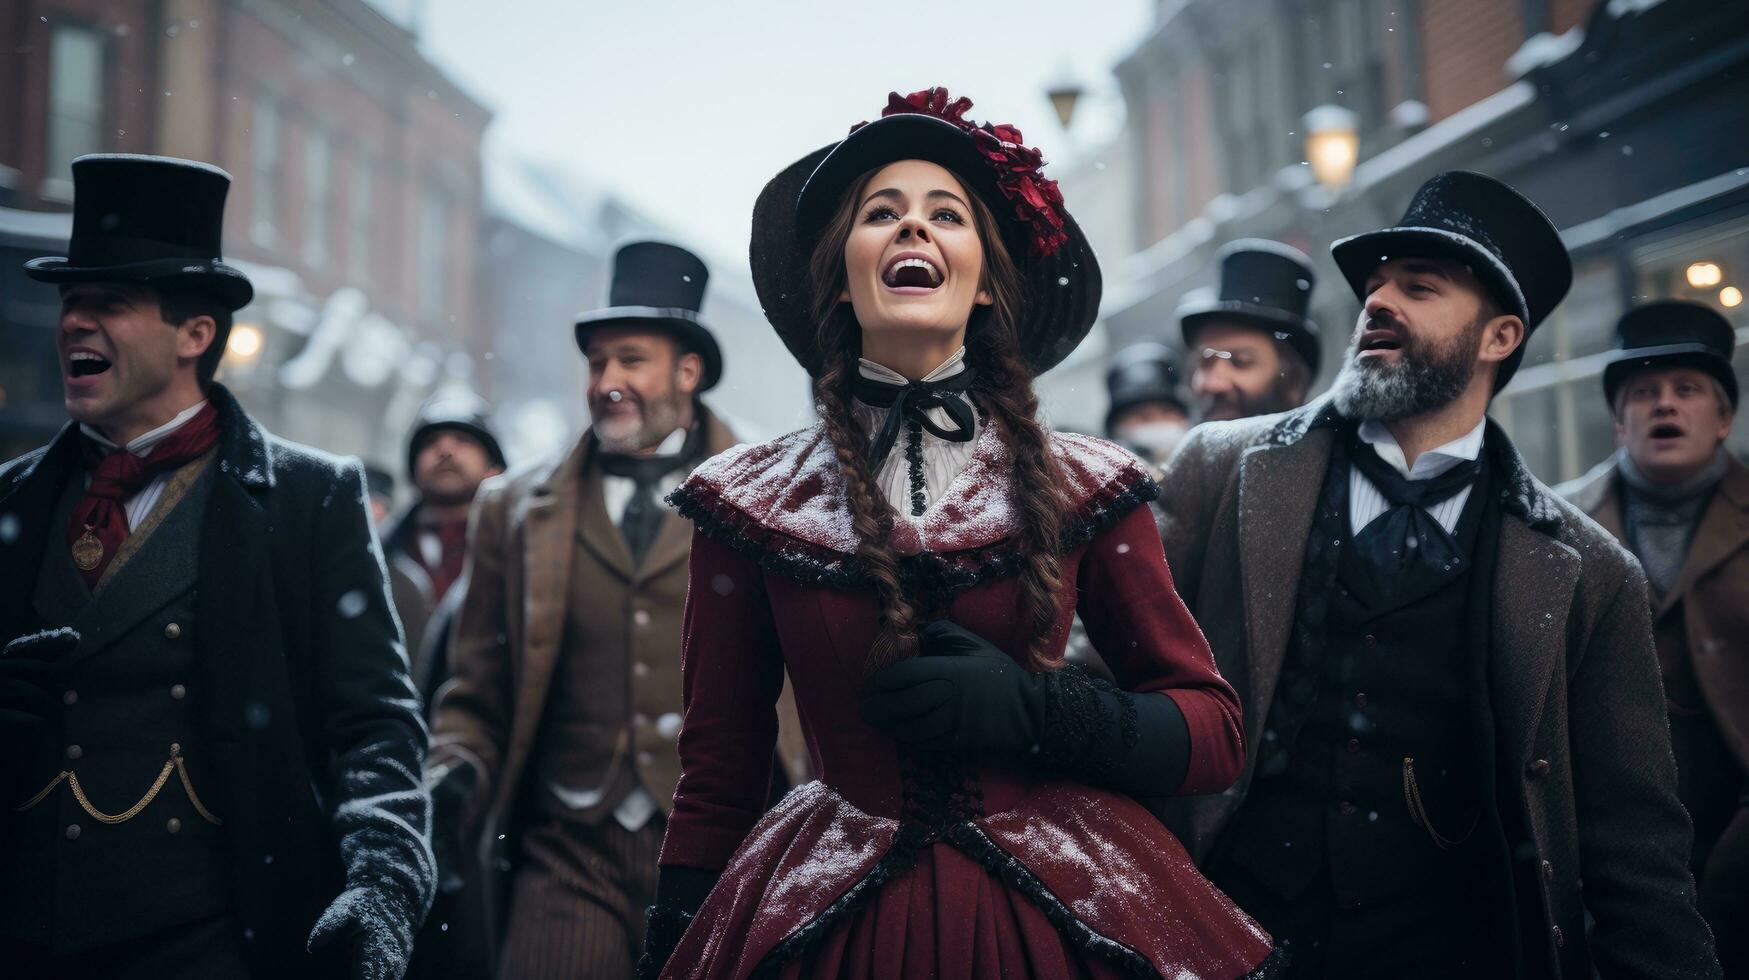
[912, 401]
[1405, 546]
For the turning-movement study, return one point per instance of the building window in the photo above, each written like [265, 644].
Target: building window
[433, 251]
[76, 120]
[265, 171]
[316, 197]
[359, 215]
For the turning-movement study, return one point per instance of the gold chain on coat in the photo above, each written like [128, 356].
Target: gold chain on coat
[1418, 810]
[173, 763]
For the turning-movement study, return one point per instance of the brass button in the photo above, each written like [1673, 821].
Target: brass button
[1370, 641]
[70, 698]
[1537, 769]
[641, 617]
[178, 692]
[1360, 700]
[1354, 745]
[72, 831]
[641, 669]
[173, 825]
[1560, 938]
[172, 631]
[75, 752]
[1347, 808]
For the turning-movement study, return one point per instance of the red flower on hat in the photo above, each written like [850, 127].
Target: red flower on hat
[1036, 199]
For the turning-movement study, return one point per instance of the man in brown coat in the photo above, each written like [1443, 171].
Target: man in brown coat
[1451, 697]
[557, 733]
[1675, 498]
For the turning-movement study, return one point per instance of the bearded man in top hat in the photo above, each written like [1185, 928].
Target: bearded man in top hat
[557, 733]
[1146, 410]
[212, 747]
[1254, 348]
[1674, 497]
[1447, 670]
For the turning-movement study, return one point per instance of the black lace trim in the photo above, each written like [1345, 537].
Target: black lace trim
[1078, 711]
[914, 465]
[937, 576]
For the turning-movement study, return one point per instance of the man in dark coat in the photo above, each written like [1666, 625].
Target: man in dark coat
[1146, 410]
[1448, 672]
[1253, 348]
[450, 452]
[213, 752]
[1677, 499]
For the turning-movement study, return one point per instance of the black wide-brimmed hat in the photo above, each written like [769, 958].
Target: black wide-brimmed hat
[1059, 273]
[659, 285]
[1672, 333]
[1504, 239]
[1266, 285]
[147, 219]
[460, 411]
[1141, 374]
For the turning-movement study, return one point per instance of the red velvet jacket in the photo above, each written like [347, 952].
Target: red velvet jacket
[774, 586]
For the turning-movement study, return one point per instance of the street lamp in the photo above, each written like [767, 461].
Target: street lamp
[1332, 144]
[1064, 94]
[244, 346]
[1702, 275]
[1731, 297]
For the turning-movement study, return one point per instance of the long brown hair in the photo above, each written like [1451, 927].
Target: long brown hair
[1002, 388]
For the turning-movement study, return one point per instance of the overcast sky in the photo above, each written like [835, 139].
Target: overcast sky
[687, 108]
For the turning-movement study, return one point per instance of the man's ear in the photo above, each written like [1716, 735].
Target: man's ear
[194, 335]
[1503, 335]
[689, 372]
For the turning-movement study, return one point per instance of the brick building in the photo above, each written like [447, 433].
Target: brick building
[356, 202]
[1622, 118]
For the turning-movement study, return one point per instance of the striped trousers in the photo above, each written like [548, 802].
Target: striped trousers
[577, 900]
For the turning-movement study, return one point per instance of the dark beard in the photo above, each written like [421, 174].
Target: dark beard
[1426, 378]
[1236, 404]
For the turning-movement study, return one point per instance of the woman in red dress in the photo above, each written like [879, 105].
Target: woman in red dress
[914, 561]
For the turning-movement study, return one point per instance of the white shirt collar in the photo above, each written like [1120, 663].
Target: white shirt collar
[955, 363]
[142, 444]
[1430, 463]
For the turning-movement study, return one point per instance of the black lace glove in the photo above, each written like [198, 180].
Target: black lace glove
[679, 893]
[29, 668]
[964, 694]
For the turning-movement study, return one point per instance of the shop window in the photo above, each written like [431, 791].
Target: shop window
[317, 158]
[265, 171]
[77, 116]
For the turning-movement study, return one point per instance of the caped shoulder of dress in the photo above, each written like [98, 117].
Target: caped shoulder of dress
[782, 504]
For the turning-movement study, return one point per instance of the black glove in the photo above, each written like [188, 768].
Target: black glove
[376, 924]
[964, 694]
[29, 669]
[451, 790]
[679, 893]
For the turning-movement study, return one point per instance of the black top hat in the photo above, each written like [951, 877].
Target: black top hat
[1507, 242]
[1672, 333]
[378, 481]
[147, 219]
[1059, 274]
[1264, 284]
[658, 285]
[458, 411]
[1140, 374]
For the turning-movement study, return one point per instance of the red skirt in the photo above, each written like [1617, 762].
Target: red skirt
[1071, 882]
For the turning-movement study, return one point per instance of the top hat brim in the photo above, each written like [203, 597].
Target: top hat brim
[1359, 256]
[478, 432]
[1060, 292]
[225, 282]
[1296, 331]
[1622, 363]
[682, 323]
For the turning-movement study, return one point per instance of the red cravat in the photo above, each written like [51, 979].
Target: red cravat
[100, 520]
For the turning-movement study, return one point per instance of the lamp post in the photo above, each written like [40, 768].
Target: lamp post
[1064, 93]
[1332, 144]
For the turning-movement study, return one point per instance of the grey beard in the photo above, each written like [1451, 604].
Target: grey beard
[1419, 383]
[661, 418]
